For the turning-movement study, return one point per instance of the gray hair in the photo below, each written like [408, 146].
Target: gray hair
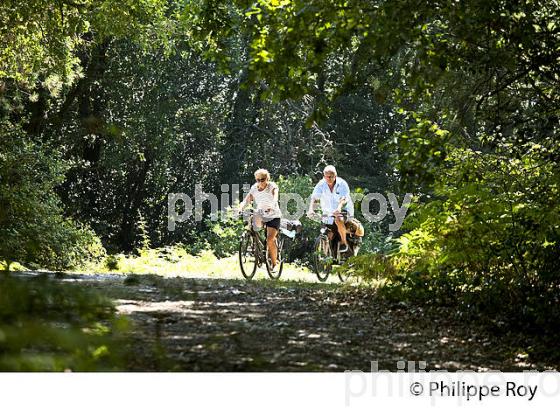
[330, 168]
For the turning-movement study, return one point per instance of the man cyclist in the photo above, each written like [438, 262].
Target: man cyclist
[333, 193]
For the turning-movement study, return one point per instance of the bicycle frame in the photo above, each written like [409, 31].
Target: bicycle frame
[324, 232]
[323, 264]
[260, 253]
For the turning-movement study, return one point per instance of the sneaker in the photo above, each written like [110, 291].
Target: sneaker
[343, 248]
[274, 269]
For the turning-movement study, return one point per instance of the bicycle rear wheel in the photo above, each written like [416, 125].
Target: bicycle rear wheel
[247, 259]
[279, 260]
[322, 258]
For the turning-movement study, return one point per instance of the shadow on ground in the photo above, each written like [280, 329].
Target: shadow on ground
[186, 324]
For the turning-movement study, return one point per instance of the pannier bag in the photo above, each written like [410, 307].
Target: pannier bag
[290, 228]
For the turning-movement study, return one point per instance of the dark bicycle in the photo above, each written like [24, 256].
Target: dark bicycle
[253, 251]
[326, 252]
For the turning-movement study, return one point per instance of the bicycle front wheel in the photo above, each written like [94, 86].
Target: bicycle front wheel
[322, 258]
[247, 259]
[344, 275]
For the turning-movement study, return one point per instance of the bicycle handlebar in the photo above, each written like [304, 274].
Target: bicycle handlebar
[249, 212]
[319, 217]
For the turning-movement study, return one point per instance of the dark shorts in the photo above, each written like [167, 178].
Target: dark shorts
[274, 223]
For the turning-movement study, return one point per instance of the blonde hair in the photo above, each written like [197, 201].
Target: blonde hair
[262, 173]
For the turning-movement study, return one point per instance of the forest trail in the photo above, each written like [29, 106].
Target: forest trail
[201, 324]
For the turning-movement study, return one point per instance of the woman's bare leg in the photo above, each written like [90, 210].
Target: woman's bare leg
[271, 234]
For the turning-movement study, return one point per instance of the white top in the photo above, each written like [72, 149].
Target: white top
[265, 200]
[329, 200]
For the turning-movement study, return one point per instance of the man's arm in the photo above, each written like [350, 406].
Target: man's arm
[311, 209]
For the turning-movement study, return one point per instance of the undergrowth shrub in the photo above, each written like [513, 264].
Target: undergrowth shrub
[50, 326]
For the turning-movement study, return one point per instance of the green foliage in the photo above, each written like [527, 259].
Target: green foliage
[377, 241]
[462, 95]
[420, 151]
[490, 238]
[48, 326]
[33, 229]
[51, 55]
[111, 263]
[39, 39]
[369, 266]
[487, 240]
[291, 41]
[129, 152]
[145, 242]
[480, 82]
[222, 236]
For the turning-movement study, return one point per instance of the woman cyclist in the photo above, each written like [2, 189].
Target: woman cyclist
[265, 194]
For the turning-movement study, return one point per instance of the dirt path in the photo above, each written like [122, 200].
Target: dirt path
[188, 324]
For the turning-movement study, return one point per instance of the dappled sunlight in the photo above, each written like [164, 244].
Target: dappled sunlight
[130, 133]
[210, 324]
[128, 307]
[232, 324]
[176, 262]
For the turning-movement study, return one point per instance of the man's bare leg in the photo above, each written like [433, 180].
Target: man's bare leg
[341, 230]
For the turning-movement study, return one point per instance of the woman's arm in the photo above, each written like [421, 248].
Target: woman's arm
[248, 199]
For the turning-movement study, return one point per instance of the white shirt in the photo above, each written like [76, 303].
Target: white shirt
[265, 199]
[329, 200]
